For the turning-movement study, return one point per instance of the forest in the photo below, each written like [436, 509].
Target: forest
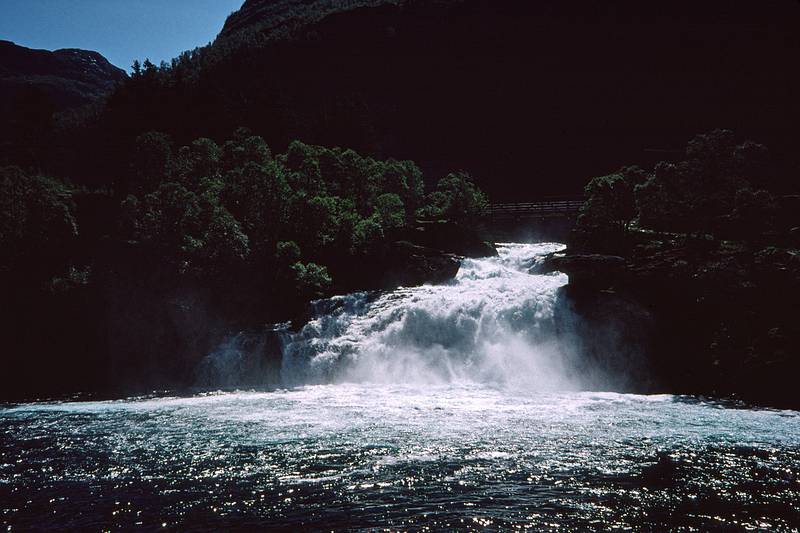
[234, 184]
[253, 235]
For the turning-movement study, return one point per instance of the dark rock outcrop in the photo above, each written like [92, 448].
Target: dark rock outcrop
[409, 264]
[592, 270]
[450, 237]
[699, 315]
[398, 264]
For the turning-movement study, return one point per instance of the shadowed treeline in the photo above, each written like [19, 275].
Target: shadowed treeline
[133, 285]
[529, 97]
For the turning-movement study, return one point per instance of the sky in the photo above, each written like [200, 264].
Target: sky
[121, 30]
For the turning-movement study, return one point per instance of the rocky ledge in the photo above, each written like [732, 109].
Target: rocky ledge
[689, 314]
[404, 264]
[427, 252]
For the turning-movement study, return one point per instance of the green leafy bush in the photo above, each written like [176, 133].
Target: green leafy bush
[366, 233]
[609, 201]
[36, 220]
[456, 198]
[311, 280]
[692, 195]
[390, 211]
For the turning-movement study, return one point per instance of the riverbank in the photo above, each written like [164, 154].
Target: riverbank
[134, 330]
[689, 314]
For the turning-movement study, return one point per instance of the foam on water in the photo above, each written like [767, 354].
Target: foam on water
[491, 324]
[437, 407]
[369, 456]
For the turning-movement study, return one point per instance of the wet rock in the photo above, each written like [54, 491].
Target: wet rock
[450, 237]
[587, 270]
[709, 316]
[410, 265]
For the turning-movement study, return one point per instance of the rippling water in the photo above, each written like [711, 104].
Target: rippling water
[365, 456]
[446, 407]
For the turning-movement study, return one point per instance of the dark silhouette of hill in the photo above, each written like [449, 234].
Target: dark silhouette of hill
[45, 98]
[533, 98]
[280, 18]
[69, 77]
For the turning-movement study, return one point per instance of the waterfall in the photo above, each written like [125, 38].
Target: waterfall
[492, 324]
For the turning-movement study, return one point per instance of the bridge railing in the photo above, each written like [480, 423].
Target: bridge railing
[543, 207]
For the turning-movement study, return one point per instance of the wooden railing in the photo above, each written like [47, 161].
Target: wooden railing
[545, 207]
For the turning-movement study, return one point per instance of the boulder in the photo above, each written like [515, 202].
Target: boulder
[395, 264]
[407, 264]
[450, 237]
[585, 270]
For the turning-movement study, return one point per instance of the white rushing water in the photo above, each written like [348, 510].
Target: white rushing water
[444, 407]
[492, 324]
[367, 457]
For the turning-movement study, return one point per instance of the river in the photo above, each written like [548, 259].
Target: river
[435, 407]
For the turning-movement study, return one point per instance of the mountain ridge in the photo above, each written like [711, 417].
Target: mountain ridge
[70, 77]
[279, 18]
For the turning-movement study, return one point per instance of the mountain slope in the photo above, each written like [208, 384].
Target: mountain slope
[533, 98]
[69, 77]
[280, 18]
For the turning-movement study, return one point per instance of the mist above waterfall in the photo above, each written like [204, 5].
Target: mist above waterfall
[492, 324]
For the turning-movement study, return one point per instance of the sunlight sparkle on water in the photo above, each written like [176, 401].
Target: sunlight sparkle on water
[478, 422]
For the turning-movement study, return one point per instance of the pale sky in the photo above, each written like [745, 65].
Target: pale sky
[121, 30]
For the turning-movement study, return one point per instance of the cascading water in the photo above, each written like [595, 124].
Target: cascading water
[492, 324]
[431, 408]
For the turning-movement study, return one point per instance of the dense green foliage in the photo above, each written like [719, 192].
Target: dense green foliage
[609, 199]
[694, 267]
[456, 197]
[721, 187]
[133, 282]
[37, 223]
[204, 211]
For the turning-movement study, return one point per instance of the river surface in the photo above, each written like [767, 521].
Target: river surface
[437, 408]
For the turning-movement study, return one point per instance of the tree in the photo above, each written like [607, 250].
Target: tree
[303, 171]
[245, 148]
[152, 162]
[610, 200]
[457, 198]
[404, 179]
[322, 221]
[287, 253]
[37, 222]
[259, 196]
[223, 243]
[366, 232]
[311, 280]
[170, 219]
[694, 194]
[361, 178]
[193, 231]
[204, 159]
[390, 211]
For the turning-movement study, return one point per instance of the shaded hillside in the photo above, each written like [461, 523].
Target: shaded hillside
[276, 19]
[69, 77]
[40, 90]
[530, 97]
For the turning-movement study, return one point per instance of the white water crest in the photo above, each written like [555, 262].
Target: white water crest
[492, 324]
[445, 407]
